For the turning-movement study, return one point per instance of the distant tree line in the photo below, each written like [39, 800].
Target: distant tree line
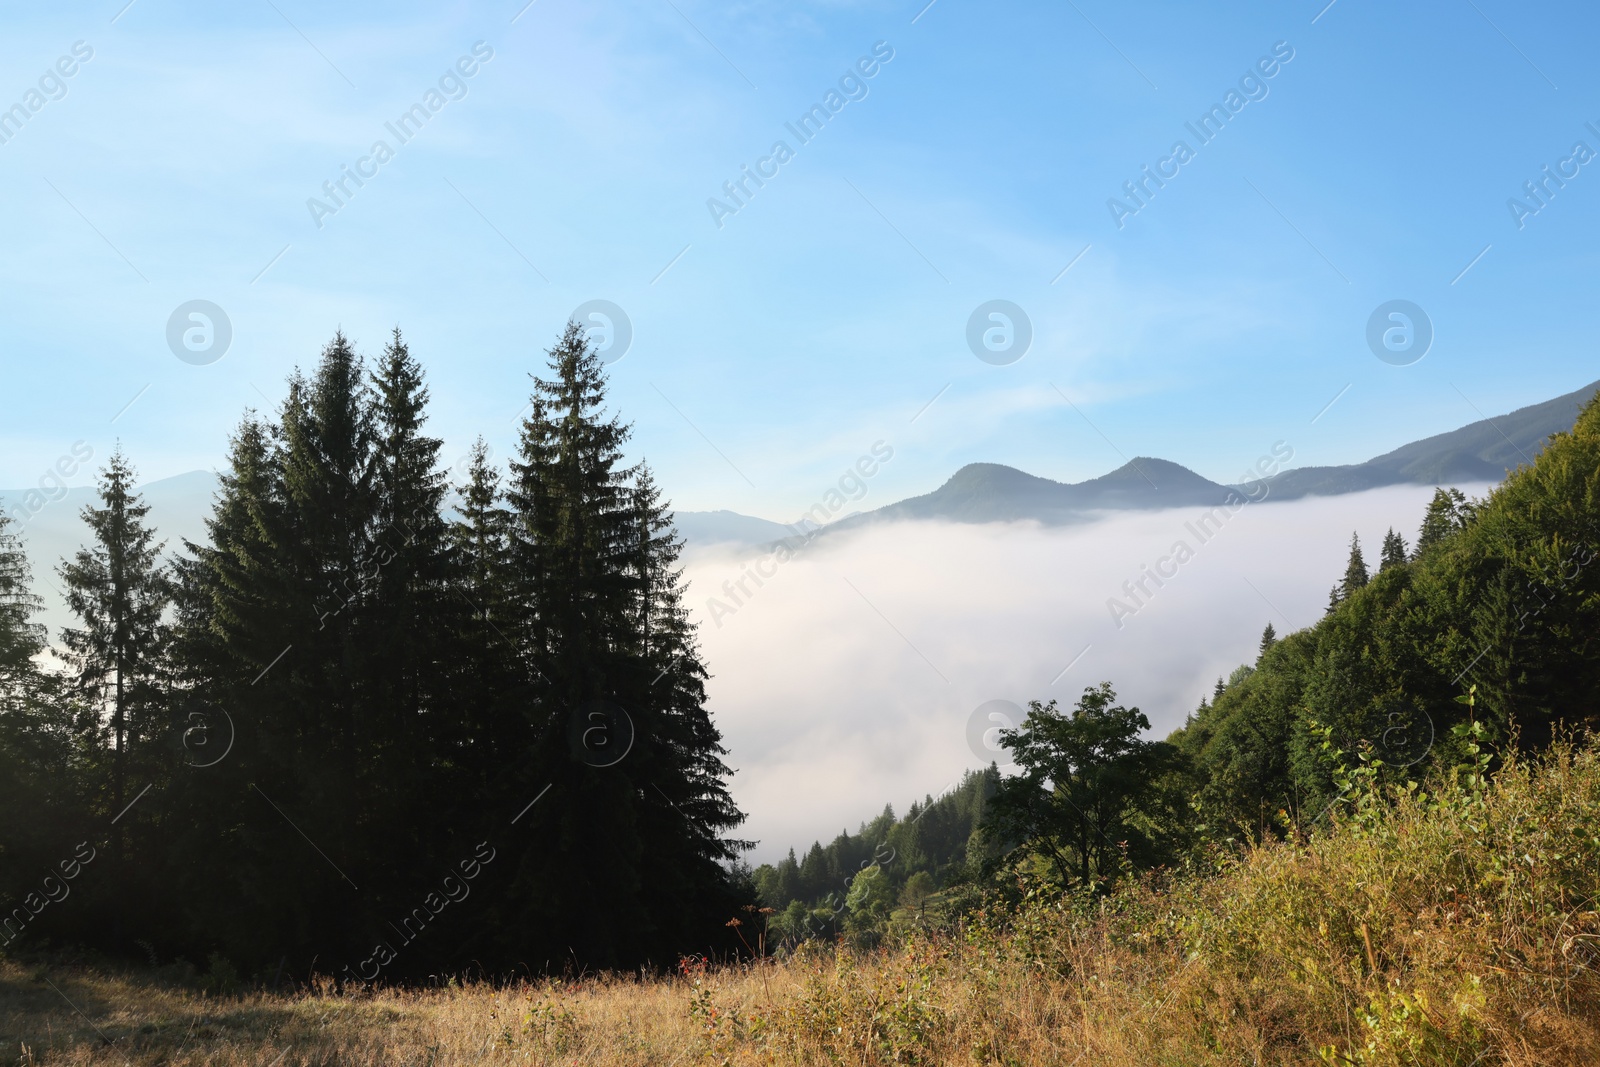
[854, 884]
[373, 723]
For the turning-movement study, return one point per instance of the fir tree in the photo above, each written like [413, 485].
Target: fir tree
[407, 605]
[614, 684]
[49, 750]
[1269, 637]
[1446, 513]
[294, 606]
[1355, 571]
[119, 592]
[478, 536]
[20, 638]
[1394, 551]
[487, 731]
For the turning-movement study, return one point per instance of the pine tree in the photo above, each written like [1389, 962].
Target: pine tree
[479, 535]
[21, 639]
[119, 593]
[1446, 513]
[1355, 572]
[406, 605]
[1394, 551]
[685, 831]
[609, 659]
[1269, 637]
[290, 612]
[48, 741]
[488, 728]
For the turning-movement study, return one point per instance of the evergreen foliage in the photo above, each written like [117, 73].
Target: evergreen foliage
[1501, 594]
[119, 592]
[392, 731]
[936, 846]
[1269, 637]
[1394, 551]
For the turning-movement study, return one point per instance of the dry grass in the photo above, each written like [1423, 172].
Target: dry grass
[1456, 931]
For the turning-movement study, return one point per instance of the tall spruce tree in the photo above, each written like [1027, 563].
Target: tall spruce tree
[407, 599]
[1269, 637]
[1445, 514]
[311, 623]
[1355, 575]
[49, 749]
[486, 735]
[21, 639]
[1394, 551]
[119, 592]
[621, 861]
[1355, 571]
[479, 533]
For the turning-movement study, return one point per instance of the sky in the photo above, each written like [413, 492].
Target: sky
[1368, 155]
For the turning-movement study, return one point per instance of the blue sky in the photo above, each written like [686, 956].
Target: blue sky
[827, 312]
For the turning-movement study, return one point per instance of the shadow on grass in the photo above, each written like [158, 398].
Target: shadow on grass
[50, 1012]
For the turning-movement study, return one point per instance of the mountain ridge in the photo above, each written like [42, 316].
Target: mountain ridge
[1481, 451]
[980, 492]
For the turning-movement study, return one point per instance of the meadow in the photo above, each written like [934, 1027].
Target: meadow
[1446, 923]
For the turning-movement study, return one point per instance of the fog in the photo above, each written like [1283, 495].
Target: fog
[847, 679]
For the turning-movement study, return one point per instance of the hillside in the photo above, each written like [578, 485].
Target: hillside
[1481, 451]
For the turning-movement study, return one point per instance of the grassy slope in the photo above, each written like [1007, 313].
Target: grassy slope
[1458, 929]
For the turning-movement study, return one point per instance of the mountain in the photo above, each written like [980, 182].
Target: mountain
[991, 492]
[1481, 451]
[1478, 452]
[728, 527]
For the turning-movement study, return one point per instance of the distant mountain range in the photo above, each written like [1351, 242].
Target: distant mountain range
[992, 492]
[1481, 451]
[979, 492]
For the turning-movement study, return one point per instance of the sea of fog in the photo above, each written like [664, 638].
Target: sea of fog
[848, 679]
